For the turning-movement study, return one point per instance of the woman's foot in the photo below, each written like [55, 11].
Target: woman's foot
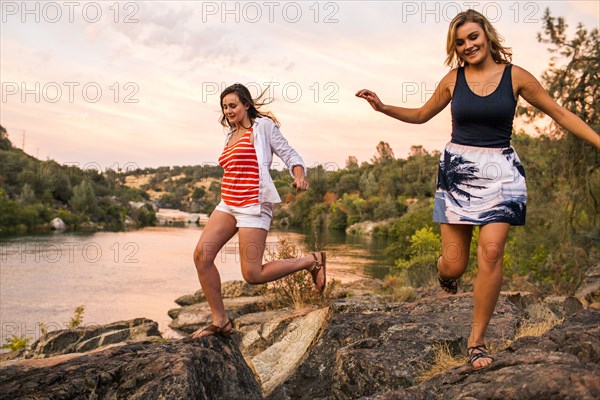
[212, 329]
[449, 285]
[479, 357]
[318, 271]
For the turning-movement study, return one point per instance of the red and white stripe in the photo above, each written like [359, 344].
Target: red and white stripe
[240, 180]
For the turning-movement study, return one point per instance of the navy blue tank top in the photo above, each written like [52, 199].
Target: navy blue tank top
[483, 121]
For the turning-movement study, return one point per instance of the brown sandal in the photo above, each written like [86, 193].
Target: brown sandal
[317, 268]
[213, 329]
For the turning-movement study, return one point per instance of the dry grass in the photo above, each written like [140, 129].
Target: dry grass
[528, 328]
[296, 290]
[394, 285]
[443, 360]
[536, 328]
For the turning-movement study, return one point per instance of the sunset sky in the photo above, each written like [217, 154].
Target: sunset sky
[137, 83]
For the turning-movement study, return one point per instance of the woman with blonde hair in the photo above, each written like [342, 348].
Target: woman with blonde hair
[247, 197]
[481, 181]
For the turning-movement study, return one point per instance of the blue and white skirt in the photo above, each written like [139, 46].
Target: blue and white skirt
[480, 185]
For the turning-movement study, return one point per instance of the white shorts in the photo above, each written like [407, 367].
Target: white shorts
[254, 216]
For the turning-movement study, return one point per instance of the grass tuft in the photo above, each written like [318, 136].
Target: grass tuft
[443, 360]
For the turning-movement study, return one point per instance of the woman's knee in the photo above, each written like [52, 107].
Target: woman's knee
[203, 258]
[252, 277]
[489, 253]
[454, 262]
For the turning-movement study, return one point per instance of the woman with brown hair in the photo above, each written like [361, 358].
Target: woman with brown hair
[247, 197]
[481, 181]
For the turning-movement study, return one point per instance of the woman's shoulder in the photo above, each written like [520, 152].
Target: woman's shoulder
[264, 124]
[449, 80]
[516, 70]
[521, 76]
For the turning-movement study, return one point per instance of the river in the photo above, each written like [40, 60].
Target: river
[123, 275]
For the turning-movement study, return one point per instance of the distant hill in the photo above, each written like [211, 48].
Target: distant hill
[34, 192]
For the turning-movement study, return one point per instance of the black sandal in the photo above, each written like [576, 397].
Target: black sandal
[213, 329]
[483, 352]
[449, 285]
[317, 268]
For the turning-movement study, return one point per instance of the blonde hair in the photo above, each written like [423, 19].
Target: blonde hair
[500, 54]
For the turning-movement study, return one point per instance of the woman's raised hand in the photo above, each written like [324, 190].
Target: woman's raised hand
[300, 184]
[371, 97]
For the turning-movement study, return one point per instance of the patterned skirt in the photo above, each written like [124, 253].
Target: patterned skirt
[480, 185]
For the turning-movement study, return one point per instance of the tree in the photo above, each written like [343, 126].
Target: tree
[28, 195]
[5, 143]
[351, 162]
[573, 80]
[417, 151]
[84, 198]
[384, 153]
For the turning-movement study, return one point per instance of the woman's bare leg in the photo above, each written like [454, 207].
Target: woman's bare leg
[456, 242]
[218, 230]
[252, 248]
[490, 249]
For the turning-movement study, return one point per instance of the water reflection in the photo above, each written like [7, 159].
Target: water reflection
[364, 254]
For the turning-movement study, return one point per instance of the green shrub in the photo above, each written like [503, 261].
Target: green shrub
[16, 343]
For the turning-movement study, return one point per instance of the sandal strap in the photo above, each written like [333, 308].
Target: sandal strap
[480, 347]
[476, 356]
[316, 266]
[212, 328]
[219, 329]
[448, 284]
[483, 352]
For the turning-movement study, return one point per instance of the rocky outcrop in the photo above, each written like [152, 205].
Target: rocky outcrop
[561, 364]
[210, 368]
[366, 228]
[294, 337]
[589, 290]
[262, 330]
[372, 345]
[79, 340]
[190, 318]
[228, 289]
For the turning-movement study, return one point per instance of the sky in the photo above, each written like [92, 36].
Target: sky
[106, 84]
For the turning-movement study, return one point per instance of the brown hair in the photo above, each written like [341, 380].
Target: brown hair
[500, 54]
[246, 99]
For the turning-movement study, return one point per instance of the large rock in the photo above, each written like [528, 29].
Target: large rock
[262, 330]
[79, 340]
[188, 319]
[373, 345]
[366, 228]
[561, 364]
[57, 224]
[228, 289]
[279, 361]
[589, 290]
[210, 368]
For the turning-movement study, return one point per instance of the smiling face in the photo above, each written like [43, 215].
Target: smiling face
[235, 112]
[472, 43]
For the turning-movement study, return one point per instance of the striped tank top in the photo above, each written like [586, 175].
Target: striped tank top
[240, 180]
